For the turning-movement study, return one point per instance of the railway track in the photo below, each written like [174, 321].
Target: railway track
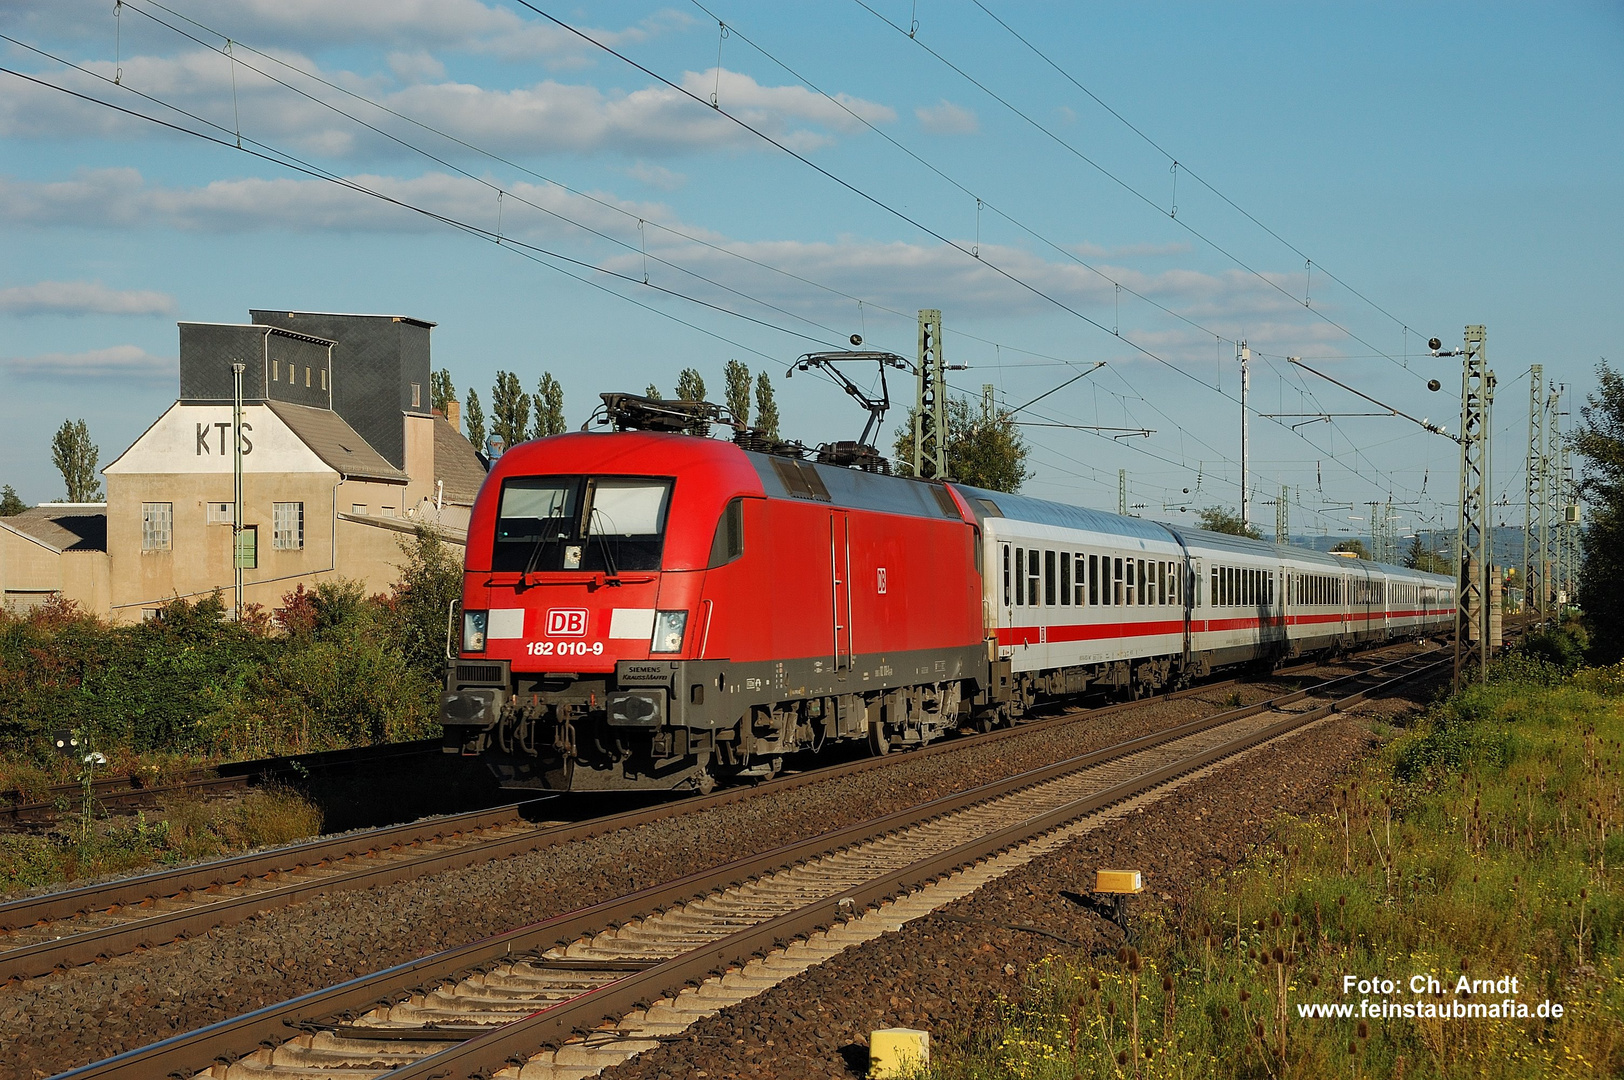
[569, 996]
[54, 931]
[127, 793]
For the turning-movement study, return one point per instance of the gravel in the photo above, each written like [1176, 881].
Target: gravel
[57, 1022]
[954, 971]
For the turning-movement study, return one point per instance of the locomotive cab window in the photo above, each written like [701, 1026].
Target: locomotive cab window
[593, 524]
[729, 542]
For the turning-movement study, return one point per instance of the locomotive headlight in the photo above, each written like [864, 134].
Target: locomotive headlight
[668, 630]
[473, 631]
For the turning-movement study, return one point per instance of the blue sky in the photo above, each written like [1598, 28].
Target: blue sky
[1452, 163]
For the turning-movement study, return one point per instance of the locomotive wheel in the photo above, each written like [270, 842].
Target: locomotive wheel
[878, 744]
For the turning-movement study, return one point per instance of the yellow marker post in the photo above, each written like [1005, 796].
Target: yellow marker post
[1118, 881]
[898, 1053]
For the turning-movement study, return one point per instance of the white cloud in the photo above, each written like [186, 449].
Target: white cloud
[546, 117]
[897, 274]
[460, 25]
[416, 66]
[116, 362]
[83, 298]
[121, 198]
[656, 176]
[946, 118]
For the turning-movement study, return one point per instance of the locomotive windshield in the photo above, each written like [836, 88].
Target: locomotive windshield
[595, 524]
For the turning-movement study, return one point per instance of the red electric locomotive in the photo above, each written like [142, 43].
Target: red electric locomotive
[647, 610]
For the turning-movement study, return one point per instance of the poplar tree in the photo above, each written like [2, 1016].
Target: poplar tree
[75, 458]
[549, 407]
[474, 417]
[738, 391]
[510, 410]
[690, 385]
[766, 407]
[441, 392]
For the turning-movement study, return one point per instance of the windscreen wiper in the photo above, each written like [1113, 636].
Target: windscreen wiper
[608, 556]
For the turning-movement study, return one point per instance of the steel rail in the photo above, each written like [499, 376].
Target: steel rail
[90, 945]
[186, 1054]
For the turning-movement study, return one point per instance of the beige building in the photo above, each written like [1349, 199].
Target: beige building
[320, 499]
[55, 550]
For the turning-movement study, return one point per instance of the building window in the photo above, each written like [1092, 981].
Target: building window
[287, 526]
[157, 522]
[387, 511]
[276, 371]
[417, 395]
[324, 378]
[358, 508]
[221, 513]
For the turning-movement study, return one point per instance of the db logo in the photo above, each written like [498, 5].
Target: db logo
[566, 622]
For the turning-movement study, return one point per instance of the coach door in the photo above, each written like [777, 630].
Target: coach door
[840, 577]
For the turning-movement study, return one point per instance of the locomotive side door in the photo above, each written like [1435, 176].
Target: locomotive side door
[840, 619]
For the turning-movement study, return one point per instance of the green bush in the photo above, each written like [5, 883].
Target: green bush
[331, 667]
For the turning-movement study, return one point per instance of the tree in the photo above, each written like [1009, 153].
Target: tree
[690, 385]
[75, 458]
[430, 579]
[738, 391]
[549, 407]
[766, 407]
[1221, 519]
[1419, 558]
[1600, 441]
[1355, 547]
[652, 392]
[441, 392]
[984, 450]
[10, 504]
[510, 410]
[474, 418]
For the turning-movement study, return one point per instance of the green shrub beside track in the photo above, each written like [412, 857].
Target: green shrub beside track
[330, 668]
[1486, 842]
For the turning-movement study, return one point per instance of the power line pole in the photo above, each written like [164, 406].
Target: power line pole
[1550, 525]
[1472, 548]
[1245, 353]
[236, 483]
[1122, 492]
[1282, 524]
[1534, 503]
[930, 401]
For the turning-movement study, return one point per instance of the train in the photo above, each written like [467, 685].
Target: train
[662, 610]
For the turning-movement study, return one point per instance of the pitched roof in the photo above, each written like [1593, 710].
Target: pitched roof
[335, 442]
[73, 527]
[455, 463]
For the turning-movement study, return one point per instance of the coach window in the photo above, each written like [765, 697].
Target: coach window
[1094, 582]
[1081, 578]
[1132, 583]
[1006, 574]
[1116, 582]
[1020, 577]
[1049, 578]
[1034, 577]
[1065, 578]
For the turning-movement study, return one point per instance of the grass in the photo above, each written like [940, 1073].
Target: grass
[183, 830]
[1486, 844]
